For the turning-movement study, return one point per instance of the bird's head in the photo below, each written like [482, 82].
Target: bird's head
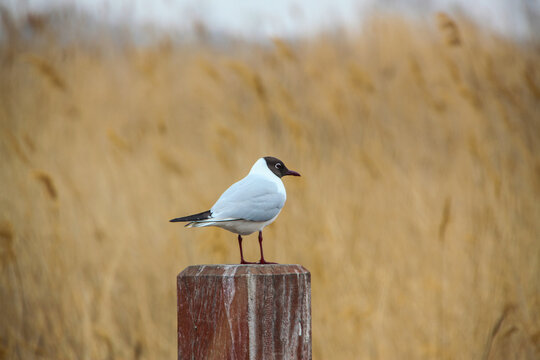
[278, 167]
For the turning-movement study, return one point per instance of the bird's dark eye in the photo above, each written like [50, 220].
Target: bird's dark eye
[278, 166]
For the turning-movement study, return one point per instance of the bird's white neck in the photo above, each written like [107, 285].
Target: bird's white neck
[261, 167]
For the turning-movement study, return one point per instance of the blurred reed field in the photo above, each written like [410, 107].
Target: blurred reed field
[417, 213]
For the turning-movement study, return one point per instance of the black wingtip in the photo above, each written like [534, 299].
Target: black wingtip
[195, 217]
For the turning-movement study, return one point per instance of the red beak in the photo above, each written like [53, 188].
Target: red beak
[293, 173]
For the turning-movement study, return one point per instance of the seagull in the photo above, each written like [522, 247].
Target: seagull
[249, 204]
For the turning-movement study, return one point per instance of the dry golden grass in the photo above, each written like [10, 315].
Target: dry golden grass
[418, 212]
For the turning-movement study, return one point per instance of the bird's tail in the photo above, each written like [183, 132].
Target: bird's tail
[201, 223]
[193, 219]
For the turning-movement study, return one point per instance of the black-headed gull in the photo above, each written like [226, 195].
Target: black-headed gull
[249, 204]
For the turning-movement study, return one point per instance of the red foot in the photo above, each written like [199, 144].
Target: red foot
[244, 262]
[262, 262]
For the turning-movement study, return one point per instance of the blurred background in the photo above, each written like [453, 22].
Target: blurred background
[415, 125]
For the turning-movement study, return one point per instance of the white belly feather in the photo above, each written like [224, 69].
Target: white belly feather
[241, 227]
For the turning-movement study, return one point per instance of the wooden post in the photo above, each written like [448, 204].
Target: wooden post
[244, 312]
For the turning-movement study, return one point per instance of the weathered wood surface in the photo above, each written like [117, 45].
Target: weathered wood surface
[244, 312]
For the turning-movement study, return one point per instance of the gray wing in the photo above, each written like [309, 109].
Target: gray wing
[253, 198]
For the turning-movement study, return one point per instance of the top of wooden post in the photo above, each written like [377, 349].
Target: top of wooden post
[243, 270]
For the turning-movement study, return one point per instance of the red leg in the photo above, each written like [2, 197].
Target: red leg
[262, 261]
[242, 261]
